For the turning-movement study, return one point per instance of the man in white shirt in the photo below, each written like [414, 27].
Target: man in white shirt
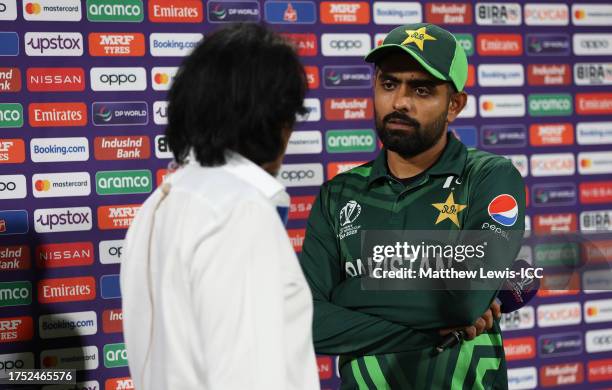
[213, 294]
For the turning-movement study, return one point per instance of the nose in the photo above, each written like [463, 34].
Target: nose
[402, 101]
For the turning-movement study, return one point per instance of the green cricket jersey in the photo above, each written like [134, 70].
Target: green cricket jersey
[386, 338]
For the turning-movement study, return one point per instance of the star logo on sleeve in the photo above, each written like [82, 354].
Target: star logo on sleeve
[418, 37]
[449, 210]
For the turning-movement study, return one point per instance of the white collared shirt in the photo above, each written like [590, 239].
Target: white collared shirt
[230, 306]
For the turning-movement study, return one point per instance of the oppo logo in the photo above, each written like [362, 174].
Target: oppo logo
[603, 340]
[118, 79]
[7, 186]
[11, 364]
[2, 7]
[595, 44]
[115, 251]
[298, 175]
[345, 44]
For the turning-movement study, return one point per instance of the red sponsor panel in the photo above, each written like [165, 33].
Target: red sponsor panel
[57, 114]
[10, 80]
[471, 79]
[176, 11]
[551, 134]
[555, 223]
[594, 103]
[312, 77]
[549, 74]
[340, 109]
[448, 13]
[67, 289]
[55, 79]
[599, 370]
[596, 192]
[14, 329]
[499, 44]
[305, 44]
[161, 175]
[526, 196]
[335, 168]
[69, 254]
[596, 251]
[345, 12]
[124, 383]
[14, 258]
[559, 285]
[520, 348]
[12, 151]
[561, 374]
[134, 147]
[296, 236]
[112, 321]
[326, 368]
[300, 207]
[118, 216]
[114, 44]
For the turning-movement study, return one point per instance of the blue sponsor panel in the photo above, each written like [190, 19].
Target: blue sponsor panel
[119, 113]
[347, 77]
[547, 44]
[109, 287]
[9, 44]
[503, 136]
[564, 344]
[290, 12]
[466, 134]
[13, 222]
[233, 11]
[561, 194]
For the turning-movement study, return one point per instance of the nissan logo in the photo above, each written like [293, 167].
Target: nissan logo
[345, 44]
[297, 175]
[115, 251]
[111, 79]
[603, 340]
[8, 186]
[594, 44]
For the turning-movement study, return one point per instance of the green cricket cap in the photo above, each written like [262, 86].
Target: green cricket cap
[436, 49]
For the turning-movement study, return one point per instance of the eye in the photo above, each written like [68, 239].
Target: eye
[388, 85]
[422, 91]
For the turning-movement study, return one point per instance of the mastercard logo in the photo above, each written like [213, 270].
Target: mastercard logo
[592, 311]
[49, 361]
[32, 8]
[586, 163]
[488, 105]
[42, 185]
[161, 78]
[579, 14]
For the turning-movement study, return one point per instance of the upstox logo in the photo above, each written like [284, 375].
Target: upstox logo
[346, 141]
[115, 11]
[115, 355]
[67, 219]
[15, 293]
[11, 115]
[123, 182]
[550, 104]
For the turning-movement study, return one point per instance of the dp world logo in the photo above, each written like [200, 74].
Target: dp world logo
[349, 213]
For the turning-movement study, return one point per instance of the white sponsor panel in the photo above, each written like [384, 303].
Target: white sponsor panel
[345, 45]
[160, 112]
[174, 44]
[59, 149]
[65, 219]
[75, 324]
[305, 142]
[527, 226]
[559, 314]
[598, 311]
[592, 163]
[8, 9]
[523, 378]
[598, 340]
[501, 75]
[520, 163]
[164, 151]
[87, 385]
[394, 13]
[53, 44]
[526, 254]
[301, 175]
[591, 14]
[52, 10]
[162, 77]
[594, 133]
[13, 187]
[543, 14]
[498, 14]
[378, 39]
[83, 358]
[593, 73]
[496, 106]
[523, 318]
[118, 79]
[469, 111]
[552, 164]
[313, 106]
[51, 185]
[597, 281]
[15, 361]
[596, 221]
[592, 44]
[110, 251]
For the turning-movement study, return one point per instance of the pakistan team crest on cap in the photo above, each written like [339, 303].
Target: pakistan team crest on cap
[418, 37]
[449, 210]
[348, 214]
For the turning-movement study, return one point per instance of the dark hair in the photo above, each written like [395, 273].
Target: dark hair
[236, 91]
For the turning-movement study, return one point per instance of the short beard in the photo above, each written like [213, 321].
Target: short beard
[410, 143]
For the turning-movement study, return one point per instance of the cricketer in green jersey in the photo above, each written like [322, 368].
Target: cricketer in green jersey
[423, 178]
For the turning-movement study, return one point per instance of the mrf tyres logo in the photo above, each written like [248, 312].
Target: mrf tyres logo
[66, 219]
[346, 217]
[116, 216]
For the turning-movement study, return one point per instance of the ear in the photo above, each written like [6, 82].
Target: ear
[456, 103]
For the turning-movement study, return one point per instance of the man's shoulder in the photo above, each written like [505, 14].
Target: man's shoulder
[479, 162]
[356, 175]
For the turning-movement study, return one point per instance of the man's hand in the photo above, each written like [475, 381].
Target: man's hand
[485, 322]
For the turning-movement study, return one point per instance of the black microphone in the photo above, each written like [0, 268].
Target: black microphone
[514, 294]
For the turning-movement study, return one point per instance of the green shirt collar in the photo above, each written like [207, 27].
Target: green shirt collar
[451, 161]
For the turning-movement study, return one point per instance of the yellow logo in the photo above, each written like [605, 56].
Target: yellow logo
[418, 37]
[449, 209]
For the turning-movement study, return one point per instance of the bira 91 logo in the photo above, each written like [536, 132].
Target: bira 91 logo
[55, 79]
[57, 114]
[116, 216]
[13, 329]
[10, 80]
[52, 44]
[176, 11]
[69, 254]
[15, 293]
[11, 115]
[52, 10]
[519, 348]
[304, 44]
[122, 148]
[338, 109]
[68, 219]
[548, 74]
[233, 11]
[119, 113]
[551, 134]
[116, 44]
[12, 151]
[499, 44]
[498, 14]
[14, 258]
[67, 290]
[593, 73]
[561, 374]
[344, 12]
[448, 13]
[115, 11]
[112, 321]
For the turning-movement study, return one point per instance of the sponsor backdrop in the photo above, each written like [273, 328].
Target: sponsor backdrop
[82, 112]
